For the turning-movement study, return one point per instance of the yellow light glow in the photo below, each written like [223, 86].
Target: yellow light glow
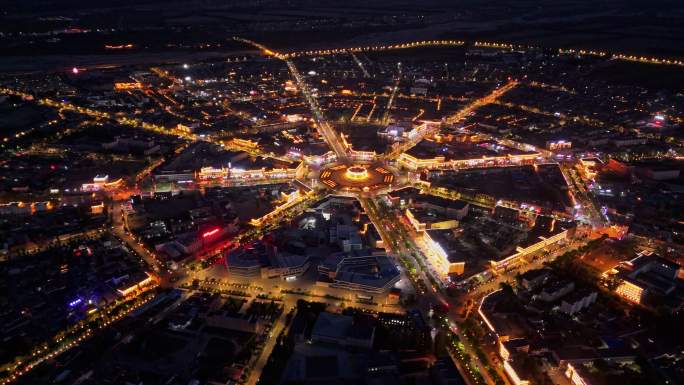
[356, 173]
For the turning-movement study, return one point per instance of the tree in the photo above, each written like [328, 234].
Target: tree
[506, 287]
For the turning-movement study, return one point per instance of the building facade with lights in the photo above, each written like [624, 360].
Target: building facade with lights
[359, 270]
[440, 162]
[646, 276]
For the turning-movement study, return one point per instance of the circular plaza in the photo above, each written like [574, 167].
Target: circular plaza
[357, 177]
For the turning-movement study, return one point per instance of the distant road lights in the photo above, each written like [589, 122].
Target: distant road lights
[186, 66]
[75, 71]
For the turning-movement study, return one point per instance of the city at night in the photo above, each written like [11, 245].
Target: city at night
[319, 192]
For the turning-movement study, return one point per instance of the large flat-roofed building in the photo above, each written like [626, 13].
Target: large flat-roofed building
[286, 265]
[426, 219]
[443, 258]
[647, 275]
[346, 236]
[428, 155]
[361, 270]
[411, 198]
[246, 261]
[259, 260]
[450, 207]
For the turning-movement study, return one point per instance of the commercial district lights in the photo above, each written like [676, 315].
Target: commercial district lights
[356, 173]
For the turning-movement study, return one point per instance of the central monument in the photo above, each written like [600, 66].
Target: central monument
[356, 173]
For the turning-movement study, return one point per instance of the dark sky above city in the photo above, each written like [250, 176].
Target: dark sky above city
[637, 26]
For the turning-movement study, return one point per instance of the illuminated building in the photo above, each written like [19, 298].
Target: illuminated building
[291, 201]
[98, 183]
[97, 209]
[646, 275]
[124, 86]
[244, 143]
[186, 128]
[126, 285]
[286, 266]
[277, 173]
[210, 173]
[574, 375]
[15, 208]
[245, 262]
[450, 208]
[590, 166]
[440, 260]
[192, 242]
[440, 162]
[326, 158]
[290, 86]
[413, 163]
[559, 145]
[293, 118]
[101, 182]
[236, 174]
[436, 220]
[394, 132]
[359, 270]
[119, 46]
[24, 208]
[631, 291]
[362, 156]
[259, 260]
[422, 220]
[356, 173]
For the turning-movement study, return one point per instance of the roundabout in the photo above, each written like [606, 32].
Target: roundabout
[357, 177]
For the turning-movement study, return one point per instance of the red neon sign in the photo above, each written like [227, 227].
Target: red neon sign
[210, 233]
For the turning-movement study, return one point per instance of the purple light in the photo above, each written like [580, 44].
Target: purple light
[75, 302]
